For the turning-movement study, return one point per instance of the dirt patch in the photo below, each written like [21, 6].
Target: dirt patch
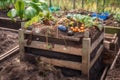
[8, 40]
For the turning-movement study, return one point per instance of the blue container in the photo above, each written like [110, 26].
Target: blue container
[62, 28]
[106, 14]
[54, 9]
[94, 14]
[102, 17]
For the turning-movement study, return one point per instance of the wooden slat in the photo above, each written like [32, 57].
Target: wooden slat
[115, 41]
[63, 37]
[86, 56]
[21, 43]
[5, 18]
[107, 44]
[104, 73]
[110, 35]
[116, 45]
[10, 52]
[95, 44]
[62, 63]
[56, 48]
[112, 27]
[7, 29]
[116, 57]
[97, 55]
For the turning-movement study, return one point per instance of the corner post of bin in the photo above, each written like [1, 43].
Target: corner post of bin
[21, 41]
[86, 53]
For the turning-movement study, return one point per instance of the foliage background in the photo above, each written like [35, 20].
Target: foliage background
[90, 5]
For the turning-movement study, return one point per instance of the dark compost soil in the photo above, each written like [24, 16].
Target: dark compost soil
[8, 40]
[114, 74]
[3, 13]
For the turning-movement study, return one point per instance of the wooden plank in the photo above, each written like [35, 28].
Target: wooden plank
[114, 37]
[107, 44]
[116, 45]
[116, 57]
[7, 29]
[97, 41]
[54, 38]
[5, 18]
[55, 47]
[8, 53]
[110, 36]
[62, 63]
[97, 55]
[86, 56]
[104, 73]
[112, 27]
[113, 64]
[116, 40]
[21, 43]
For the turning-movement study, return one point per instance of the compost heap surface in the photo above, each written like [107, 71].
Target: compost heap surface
[8, 40]
[112, 22]
[114, 74]
[15, 69]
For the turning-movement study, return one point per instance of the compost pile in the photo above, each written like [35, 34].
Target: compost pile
[7, 40]
[25, 70]
[112, 22]
[114, 74]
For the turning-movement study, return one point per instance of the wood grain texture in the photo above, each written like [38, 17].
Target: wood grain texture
[62, 63]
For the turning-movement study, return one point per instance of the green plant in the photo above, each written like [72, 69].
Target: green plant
[117, 16]
[27, 9]
[42, 16]
[87, 20]
[5, 4]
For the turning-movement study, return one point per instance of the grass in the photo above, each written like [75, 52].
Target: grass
[112, 6]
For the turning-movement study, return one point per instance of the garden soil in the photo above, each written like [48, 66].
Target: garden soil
[114, 74]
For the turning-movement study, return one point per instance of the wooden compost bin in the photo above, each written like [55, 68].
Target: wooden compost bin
[113, 30]
[82, 58]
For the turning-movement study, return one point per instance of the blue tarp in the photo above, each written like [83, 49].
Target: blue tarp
[102, 16]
